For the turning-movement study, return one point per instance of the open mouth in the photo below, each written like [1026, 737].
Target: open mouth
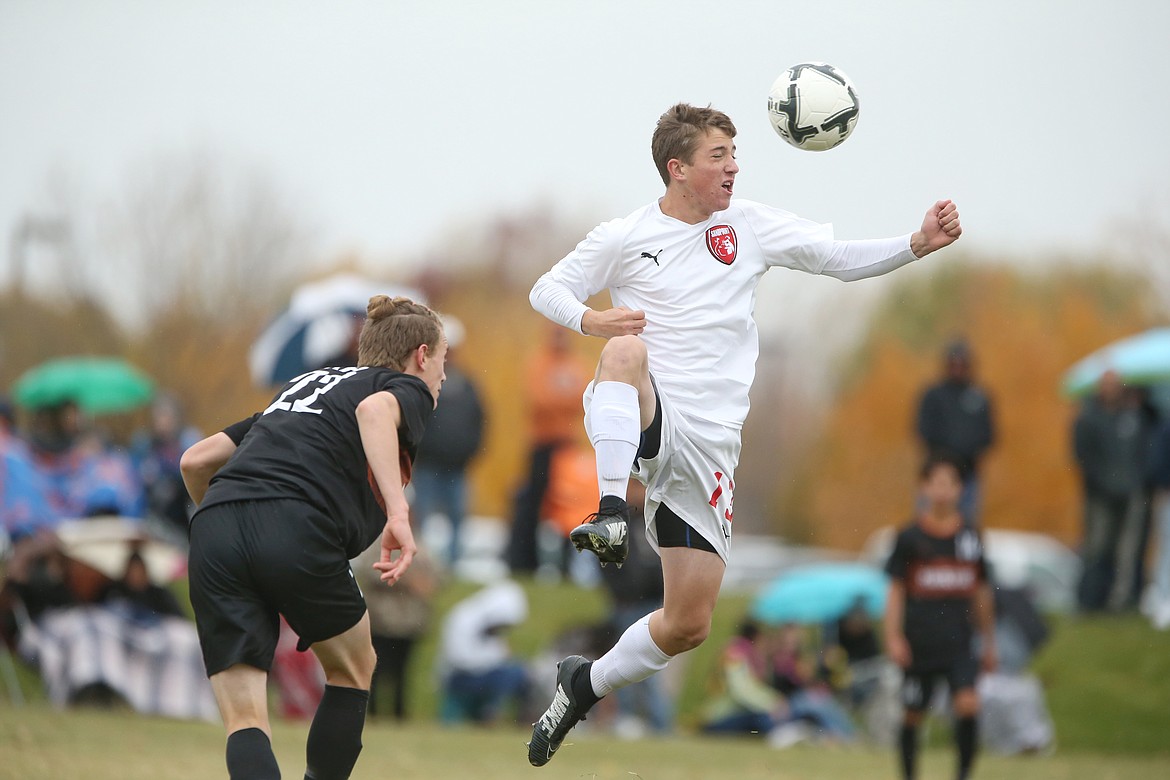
[727, 187]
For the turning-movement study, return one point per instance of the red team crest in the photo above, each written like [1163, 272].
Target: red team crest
[721, 243]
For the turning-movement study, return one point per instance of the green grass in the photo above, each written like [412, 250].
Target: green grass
[37, 743]
[1107, 682]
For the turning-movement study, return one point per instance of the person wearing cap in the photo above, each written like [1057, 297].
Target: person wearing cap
[955, 418]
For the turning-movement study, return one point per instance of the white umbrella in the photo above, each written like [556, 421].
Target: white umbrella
[316, 327]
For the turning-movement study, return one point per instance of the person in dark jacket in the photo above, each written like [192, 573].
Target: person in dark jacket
[453, 438]
[955, 419]
[1110, 442]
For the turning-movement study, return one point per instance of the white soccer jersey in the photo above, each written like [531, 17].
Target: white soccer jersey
[697, 285]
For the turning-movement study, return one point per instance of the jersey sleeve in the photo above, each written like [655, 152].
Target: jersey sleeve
[416, 405]
[899, 560]
[787, 240]
[591, 267]
[237, 431]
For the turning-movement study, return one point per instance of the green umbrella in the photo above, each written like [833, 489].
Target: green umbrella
[97, 385]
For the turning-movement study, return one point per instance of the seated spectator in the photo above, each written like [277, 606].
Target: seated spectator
[480, 679]
[745, 702]
[24, 502]
[138, 596]
[84, 477]
[155, 454]
[809, 698]
[852, 654]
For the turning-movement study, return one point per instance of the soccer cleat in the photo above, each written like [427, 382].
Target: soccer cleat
[564, 713]
[605, 533]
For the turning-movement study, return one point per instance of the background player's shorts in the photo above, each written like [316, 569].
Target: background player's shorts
[692, 473]
[251, 560]
[918, 684]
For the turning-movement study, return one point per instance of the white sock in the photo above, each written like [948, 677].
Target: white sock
[615, 429]
[634, 658]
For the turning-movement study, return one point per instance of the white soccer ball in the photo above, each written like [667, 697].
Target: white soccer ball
[813, 106]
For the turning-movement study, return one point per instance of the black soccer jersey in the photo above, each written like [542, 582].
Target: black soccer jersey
[941, 576]
[306, 446]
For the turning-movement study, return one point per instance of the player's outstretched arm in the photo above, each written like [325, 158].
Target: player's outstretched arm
[940, 228]
[378, 417]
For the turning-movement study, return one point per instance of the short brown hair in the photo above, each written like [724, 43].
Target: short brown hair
[394, 328]
[679, 131]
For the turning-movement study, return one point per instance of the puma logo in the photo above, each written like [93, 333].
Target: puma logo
[653, 257]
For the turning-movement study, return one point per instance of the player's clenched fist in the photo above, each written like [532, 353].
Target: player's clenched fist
[618, 321]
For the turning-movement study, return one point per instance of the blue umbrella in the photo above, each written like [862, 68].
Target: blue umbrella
[820, 592]
[1143, 359]
[316, 328]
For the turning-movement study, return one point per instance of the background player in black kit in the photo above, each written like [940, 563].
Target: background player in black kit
[939, 596]
[286, 499]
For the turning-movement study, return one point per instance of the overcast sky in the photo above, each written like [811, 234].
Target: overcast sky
[388, 123]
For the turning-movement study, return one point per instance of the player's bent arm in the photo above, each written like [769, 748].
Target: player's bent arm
[556, 301]
[201, 460]
[378, 418]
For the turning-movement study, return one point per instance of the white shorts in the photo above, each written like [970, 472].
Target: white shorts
[693, 473]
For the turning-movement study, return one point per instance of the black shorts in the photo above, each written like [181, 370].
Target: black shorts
[918, 683]
[251, 561]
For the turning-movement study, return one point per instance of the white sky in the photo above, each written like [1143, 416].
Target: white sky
[388, 123]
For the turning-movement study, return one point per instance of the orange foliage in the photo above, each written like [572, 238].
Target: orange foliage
[1025, 334]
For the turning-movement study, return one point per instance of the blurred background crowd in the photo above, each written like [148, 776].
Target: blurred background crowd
[1059, 421]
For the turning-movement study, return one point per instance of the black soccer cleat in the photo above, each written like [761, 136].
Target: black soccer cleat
[564, 713]
[605, 533]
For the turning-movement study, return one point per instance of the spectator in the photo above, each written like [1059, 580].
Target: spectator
[452, 439]
[635, 590]
[138, 597]
[745, 702]
[555, 377]
[84, 477]
[853, 654]
[1109, 442]
[480, 678]
[24, 502]
[399, 616]
[955, 418]
[810, 699]
[155, 454]
[1157, 600]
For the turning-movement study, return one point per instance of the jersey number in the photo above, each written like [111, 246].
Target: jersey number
[307, 388]
[729, 513]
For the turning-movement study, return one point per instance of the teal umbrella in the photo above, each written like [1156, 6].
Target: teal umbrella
[821, 592]
[98, 385]
[1142, 360]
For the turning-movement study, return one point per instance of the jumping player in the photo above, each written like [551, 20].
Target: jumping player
[286, 499]
[671, 389]
[939, 596]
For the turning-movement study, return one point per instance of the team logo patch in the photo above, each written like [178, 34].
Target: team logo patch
[721, 243]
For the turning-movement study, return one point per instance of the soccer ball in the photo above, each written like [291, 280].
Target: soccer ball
[813, 106]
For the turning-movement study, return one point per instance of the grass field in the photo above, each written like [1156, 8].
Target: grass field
[1107, 681]
[37, 743]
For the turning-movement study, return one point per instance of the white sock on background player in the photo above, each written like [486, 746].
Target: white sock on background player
[615, 429]
[634, 658]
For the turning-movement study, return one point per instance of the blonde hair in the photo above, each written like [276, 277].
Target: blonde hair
[679, 131]
[394, 328]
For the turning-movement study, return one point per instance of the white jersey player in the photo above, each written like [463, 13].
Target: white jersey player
[671, 390]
